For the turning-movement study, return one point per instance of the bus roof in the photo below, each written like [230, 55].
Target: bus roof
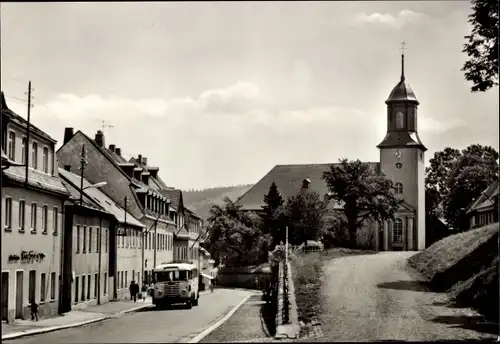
[180, 266]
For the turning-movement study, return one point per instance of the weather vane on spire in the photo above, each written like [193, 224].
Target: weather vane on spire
[403, 48]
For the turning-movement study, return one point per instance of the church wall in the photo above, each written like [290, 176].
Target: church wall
[407, 174]
[421, 203]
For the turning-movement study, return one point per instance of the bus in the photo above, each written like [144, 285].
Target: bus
[175, 282]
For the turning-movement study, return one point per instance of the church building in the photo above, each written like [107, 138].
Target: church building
[401, 159]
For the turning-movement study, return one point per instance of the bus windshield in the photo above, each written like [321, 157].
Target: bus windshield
[172, 276]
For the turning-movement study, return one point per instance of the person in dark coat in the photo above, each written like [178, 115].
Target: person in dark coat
[34, 310]
[134, 289]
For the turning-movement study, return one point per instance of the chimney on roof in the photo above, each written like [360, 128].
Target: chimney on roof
[305, 183]
[139, 159]
[67, 167]
[112, 148]
[68, 134]
[99, 139]
[118, 151]
[144, 161]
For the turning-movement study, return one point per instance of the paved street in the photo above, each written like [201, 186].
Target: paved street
[374, 297]
[149, 325]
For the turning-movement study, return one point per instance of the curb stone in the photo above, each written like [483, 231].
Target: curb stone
[49, 329]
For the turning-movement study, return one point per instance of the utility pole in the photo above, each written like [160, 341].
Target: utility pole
[83, 162]
[28, 127]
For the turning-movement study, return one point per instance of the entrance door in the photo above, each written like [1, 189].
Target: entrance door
[381, 239]
[19, 294]
[5, 295]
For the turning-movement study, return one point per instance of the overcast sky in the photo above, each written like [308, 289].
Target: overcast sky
[217, 94]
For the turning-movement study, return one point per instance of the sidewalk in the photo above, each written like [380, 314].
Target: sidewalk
[74, 318]
[247, 324]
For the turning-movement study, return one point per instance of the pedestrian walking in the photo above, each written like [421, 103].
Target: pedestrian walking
[133, 291]
[144, 291]
[34, 310]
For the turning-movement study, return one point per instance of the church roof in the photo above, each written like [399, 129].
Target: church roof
[402, 92]
[289, 180]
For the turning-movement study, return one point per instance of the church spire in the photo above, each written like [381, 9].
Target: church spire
[403, 61]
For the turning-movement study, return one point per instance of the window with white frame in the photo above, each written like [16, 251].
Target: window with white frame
[55, 219]
[24, 147]
[42, 286]
[33, 217]
[22, 215]
[8, 213]
[34, 155]
[45, 215]
[397, 231]
[45, 160]
[77, 238]
[12, 146]
[90, 239]
[398, 188]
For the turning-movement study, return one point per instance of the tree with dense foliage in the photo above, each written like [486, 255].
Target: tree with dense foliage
[436, 179]
[482, 46]
[235, 237]
[305, 216]
[455, 178]
[272, 215]
[365, 194]
[472, 173]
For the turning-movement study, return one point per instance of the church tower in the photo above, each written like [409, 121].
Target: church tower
[402, 160]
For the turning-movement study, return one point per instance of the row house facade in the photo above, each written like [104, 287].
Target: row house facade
[130, 186]
[33, 199]
[92, 220]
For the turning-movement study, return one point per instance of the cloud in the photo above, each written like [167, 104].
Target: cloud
[222, 137]
[395, 21]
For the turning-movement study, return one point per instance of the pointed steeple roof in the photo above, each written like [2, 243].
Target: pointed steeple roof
[402, 92]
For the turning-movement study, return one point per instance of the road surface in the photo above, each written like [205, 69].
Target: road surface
[149, 325]
[377, 297]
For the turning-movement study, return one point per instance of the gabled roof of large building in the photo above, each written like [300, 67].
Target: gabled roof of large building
[116, 160]
[289, 180]
[485, 200]
[95, 198]
[37, 179]
[174, 195]
[14, 117]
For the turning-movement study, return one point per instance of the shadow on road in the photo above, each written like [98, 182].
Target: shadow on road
[268, 316]
[406, 285]
[159, 309]
[475, 323]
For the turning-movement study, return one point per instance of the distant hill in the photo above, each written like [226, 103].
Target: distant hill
[200, 201]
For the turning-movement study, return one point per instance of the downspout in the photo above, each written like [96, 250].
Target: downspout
[61, 259]
[99, 262]
[156, 235]
[142, 252]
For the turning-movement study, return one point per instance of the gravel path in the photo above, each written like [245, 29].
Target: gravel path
[377, 297]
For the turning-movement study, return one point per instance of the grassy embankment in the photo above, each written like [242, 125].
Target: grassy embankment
[307, 274]
[466, 266]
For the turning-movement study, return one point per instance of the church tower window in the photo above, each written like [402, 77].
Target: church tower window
[397, 230]
[399, 120]
[398, 188]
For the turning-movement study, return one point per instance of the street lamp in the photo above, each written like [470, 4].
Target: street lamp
[96, 186]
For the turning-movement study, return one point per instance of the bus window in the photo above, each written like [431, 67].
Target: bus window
[171, 276]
